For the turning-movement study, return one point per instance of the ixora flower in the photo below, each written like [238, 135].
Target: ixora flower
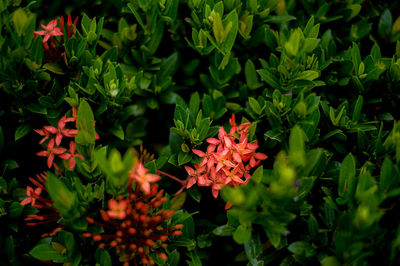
[140, 174]
[71, 155]
[134, 226]
[50, 30]
[32, 194]
[34, 198]
[55, 136]
[227, 160]
[51, 152]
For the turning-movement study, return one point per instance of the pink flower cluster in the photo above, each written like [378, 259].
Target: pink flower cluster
[227, 160]
[55, 136]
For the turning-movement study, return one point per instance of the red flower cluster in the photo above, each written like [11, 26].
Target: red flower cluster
[133, 225]
[36, 200]
[227, 160]
[51, 30]
[55, 136]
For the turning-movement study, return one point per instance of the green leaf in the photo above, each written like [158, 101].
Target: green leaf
[269, 78]
[10, 164]
[103, 257]
[168, 67]
[9, 247]
[184, 158]
[296, 146]
[45, 252]
[251, 75]
[37, 50]
[15, 209]
[178, 201]
[207, 104]
[258, 174]
[118, 132]
[86, 131]
[53, 67]
[357, 109]
[389, 176]
[137, 16]
[21, 131]
[255, 106]
[20, 20]
[242, 234]
[232, 17]
[302, 248]
[194, 104]
[356, 57]
[203, 128]
[293, 44]
[253, 248]
[36, 108]
[224, 230]
[308, 75]
[64, 199]
[385, 23]
[279, 19]
[347, 176]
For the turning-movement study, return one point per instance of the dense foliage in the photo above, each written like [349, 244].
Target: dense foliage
[118, 118]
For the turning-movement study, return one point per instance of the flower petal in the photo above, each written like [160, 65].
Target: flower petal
[198, 153]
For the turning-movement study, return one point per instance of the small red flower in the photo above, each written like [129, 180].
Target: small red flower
[51, 152]
[117, 210]
[61, 130]
[31, 193]
[49, 31]
[71, 155]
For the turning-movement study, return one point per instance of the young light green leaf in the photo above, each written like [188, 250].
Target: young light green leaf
[347, 175]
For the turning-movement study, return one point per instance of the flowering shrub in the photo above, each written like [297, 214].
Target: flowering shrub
[115, 117]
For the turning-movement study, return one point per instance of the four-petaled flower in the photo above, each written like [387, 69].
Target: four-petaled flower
[117, 210]
[51, 152]
[61, 130]
[49, 31]
[71, 155]
[31, 193]
[141, 175]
